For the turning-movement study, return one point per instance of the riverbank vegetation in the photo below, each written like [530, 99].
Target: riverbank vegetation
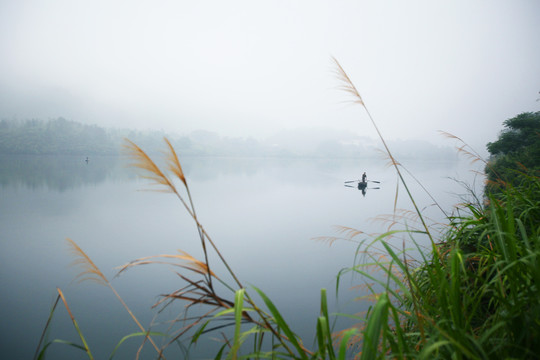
[516, 151]
[471, 293]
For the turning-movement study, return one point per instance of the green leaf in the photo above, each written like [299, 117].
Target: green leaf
[238, 307]
[375, 324]
[343, 345]
[282, 324]
[134, 335]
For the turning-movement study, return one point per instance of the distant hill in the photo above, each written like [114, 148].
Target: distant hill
[66, 137]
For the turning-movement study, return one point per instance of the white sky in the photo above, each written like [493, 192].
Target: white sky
[249, 68]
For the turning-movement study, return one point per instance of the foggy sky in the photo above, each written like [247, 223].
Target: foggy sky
[251, 68]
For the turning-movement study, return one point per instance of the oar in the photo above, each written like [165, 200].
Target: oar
[346, 182]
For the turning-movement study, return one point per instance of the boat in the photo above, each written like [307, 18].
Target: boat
[362, 184]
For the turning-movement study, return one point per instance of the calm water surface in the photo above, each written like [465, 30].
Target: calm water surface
[263, 214]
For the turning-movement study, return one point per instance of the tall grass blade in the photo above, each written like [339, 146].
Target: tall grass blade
[47, 324]
[326, 332]
[343, 346]
[282, 324]
[42, 353]
[238, 308]
[137, 334]
[374, 328]
[85, 345]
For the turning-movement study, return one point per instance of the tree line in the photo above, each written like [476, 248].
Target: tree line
[58, 136]
[516, 152]
[61, 136]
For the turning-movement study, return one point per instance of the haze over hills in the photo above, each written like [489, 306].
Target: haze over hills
[61, 136]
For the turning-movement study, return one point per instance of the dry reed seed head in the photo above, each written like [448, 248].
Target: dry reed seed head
[192, 263]
[89, 270]
[330, 240]
[197, 264]
[347, 86]
[348, 231]
[174, 163]
[450, 136]
[355, 340]
[142, 161]
[392, 162]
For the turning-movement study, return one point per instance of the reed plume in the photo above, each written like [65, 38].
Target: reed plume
[91, 272]
[192, 264]
[465, 149]
[174, 163]
[347, 85]
[149, 169]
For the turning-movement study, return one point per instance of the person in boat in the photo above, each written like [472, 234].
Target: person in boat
[364, 177]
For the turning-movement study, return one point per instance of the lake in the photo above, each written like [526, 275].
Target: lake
[263, 214]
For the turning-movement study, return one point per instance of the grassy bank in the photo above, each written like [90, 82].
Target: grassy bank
[474, 296]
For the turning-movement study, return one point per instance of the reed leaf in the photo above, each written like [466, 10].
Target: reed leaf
[37, 354]
[238, 309]
[326, 334]
[282, 324]
[375, 327]
[42, 353]
[132, 335]
[343, 346]
[81, 336]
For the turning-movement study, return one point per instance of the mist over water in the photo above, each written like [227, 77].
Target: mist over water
[263, 214]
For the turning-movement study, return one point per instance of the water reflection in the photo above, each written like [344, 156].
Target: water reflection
[59, 173]
[264, 213]
[363, 187]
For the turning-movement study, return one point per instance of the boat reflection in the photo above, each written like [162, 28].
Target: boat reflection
[362, 186]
